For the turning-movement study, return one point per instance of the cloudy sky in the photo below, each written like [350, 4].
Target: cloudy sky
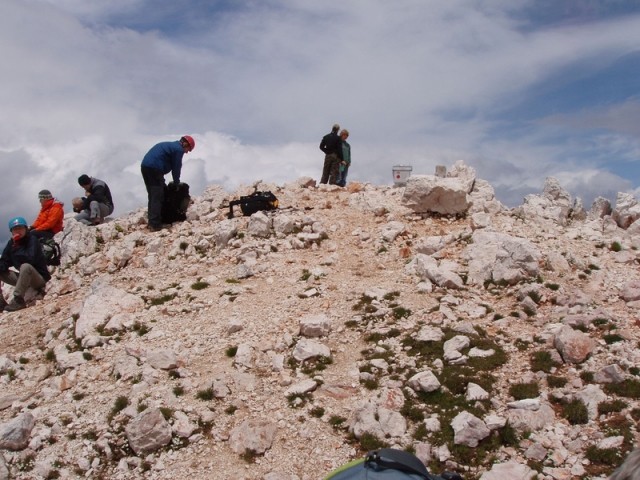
[518, 89]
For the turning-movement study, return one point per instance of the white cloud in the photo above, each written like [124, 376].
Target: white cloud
[416, 83]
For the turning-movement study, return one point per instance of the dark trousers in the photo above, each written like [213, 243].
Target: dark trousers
[330, 169]
[154, 181]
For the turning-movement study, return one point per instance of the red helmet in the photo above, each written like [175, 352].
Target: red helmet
[189, 139]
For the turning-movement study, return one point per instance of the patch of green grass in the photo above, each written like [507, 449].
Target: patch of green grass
[586, 376]
[163, 299]
[629, 388]
[313, 365]
[370, 383]
[231, 351]
[598, 322]
[317, 412]
[612, 406]
[167, 413]
[401, 312]
[604, 456]
[306, 275]
[420, 433]
[520, 391]
[26, 463]
[336, 421]
[535, 296]
[206, 394]
[542, 361]
[552, 286]
[178, 390]
[615, 247]
[249, 456]
[575, 412]
[368, 442]
[121, 402]
[391, 296]
[140, 328]
[612, 338]
[411, 411]
[78, 396]
[90, 435]
[232, 280]
[364, 303]
[199, 285]
[50, 355]
[230, 410]
[556, 381]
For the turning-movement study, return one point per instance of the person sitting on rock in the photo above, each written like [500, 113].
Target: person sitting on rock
[49, 221]
[98, 202]
[23, 252]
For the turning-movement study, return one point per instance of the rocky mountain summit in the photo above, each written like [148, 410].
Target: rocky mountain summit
[499, 343]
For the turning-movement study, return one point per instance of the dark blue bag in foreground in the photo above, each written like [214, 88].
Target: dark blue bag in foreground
[388, 464]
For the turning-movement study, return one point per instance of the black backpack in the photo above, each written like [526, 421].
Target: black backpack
[388, 464]
[51, 251]
[250, 204]
[175, 204]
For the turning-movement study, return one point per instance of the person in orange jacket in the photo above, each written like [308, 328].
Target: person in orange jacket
[49, 221]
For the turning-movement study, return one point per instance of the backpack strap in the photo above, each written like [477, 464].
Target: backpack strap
[398, 460]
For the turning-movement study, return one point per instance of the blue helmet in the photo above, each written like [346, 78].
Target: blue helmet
[17, 222]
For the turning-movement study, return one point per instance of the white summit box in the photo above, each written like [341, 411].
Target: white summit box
[401, 173]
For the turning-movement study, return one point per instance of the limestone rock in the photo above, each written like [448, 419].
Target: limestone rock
[252, 435]
[14, 434]
[573, 345]
[148, 432]
[468, 429]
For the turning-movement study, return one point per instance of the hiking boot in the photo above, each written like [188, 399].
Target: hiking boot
[157, 228]
[96, 221]
[16, 304]
[3, 303]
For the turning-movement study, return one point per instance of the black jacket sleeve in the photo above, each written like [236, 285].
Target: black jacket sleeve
[323, 144]
[5, 259]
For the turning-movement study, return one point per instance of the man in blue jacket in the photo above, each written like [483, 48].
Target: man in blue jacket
[163, 158]
[24, 253]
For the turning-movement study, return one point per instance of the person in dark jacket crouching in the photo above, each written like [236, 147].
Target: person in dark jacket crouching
[24, 253]
[97, 204]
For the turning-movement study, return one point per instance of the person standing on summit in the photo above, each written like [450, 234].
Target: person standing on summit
[331, 145]
[164, 157]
